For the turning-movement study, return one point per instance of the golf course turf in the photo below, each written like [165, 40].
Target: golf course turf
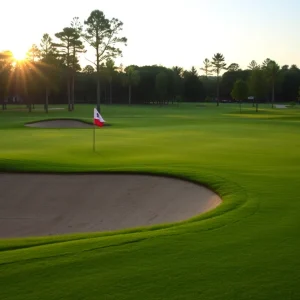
[246, 248]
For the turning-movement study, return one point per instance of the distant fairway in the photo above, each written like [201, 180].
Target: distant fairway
[247, 248]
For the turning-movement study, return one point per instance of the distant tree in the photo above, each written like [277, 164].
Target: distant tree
[30, 67]
[176, 82]
[131, 78]
[272, 70]
[88, 69]
[253, 65]
[240, 92]
[193, 88]
[209, 87]
[161, 85]
[47, 49]
[77, 47]
[229, 79]
[6, 70]
[49, 62]
[294, 67]
[266, 62]
[290, 84]
[102, 35]
[111, 69]
[233, 67]
[218, 63]
[194, 71]
[33, 54]
[64, 47]
[258, 85]
[207, 65]
[299, 95]
[178, 71]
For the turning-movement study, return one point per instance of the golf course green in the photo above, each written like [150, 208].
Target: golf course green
[246, 248]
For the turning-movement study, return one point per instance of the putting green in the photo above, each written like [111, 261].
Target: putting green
[247, 248]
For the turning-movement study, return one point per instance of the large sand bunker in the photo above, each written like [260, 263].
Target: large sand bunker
[47, 204]
[62, 123]
[280, 106]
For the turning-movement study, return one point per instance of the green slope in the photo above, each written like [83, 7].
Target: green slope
[248, 248]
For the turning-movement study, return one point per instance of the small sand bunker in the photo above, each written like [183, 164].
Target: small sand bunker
[48, 204]
[60, 124]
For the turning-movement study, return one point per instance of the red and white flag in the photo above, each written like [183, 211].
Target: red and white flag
[98, 120]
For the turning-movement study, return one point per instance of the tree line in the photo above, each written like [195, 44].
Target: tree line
[51, 73]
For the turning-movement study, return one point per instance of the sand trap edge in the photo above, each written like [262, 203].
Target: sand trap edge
[159, 226]
[114, 172]
[85, 124]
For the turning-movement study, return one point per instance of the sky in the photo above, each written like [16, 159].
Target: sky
[168, 32]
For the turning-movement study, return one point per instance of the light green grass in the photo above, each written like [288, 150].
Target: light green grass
[247, 248]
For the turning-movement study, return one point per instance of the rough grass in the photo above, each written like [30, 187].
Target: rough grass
[245, 249]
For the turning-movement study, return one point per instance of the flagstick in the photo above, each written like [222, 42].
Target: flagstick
[94, 139]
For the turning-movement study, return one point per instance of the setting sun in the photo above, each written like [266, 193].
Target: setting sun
[19, 55]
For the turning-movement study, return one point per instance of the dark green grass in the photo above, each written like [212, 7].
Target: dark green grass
[248, 248]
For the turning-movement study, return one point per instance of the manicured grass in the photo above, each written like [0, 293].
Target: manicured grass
[248, 248]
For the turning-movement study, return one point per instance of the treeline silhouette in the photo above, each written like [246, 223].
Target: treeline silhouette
[52, 74]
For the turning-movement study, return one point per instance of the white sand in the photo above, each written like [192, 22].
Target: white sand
[44, 204]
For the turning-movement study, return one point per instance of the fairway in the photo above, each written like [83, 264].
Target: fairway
[246, 248]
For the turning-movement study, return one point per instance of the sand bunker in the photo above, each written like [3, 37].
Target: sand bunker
[45, 204]
[60, 124]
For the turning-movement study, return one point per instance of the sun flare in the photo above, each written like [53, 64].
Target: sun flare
[19, 55]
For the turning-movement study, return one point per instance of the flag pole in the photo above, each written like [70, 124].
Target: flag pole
[94, 138]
